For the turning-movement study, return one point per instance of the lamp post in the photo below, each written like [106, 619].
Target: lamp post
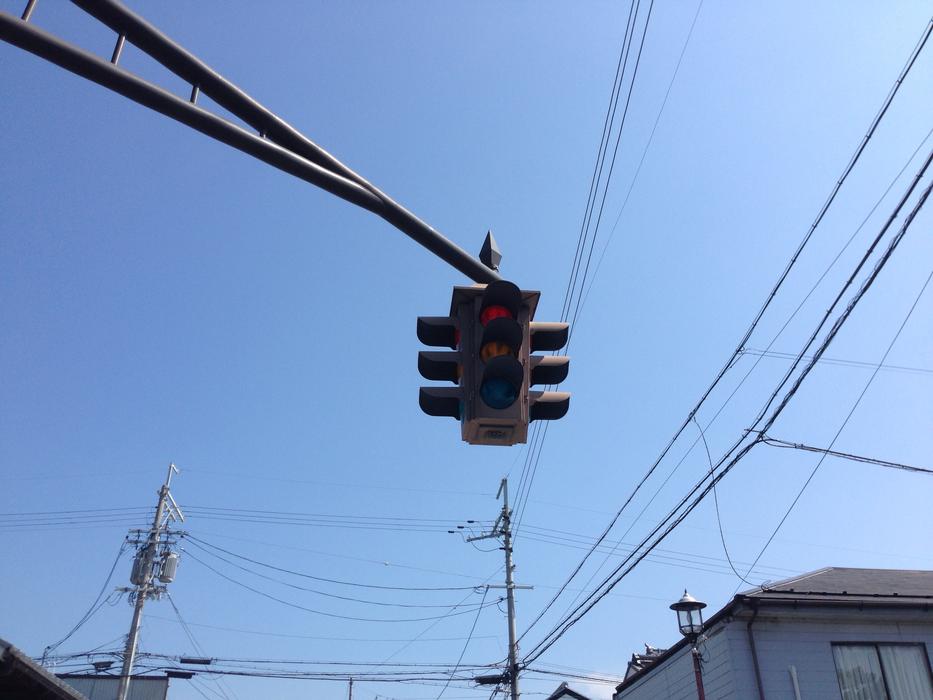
[690, 621]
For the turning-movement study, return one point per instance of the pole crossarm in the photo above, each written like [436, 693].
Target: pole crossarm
[277, 143]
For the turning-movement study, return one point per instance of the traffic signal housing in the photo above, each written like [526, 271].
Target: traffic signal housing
[491, 334]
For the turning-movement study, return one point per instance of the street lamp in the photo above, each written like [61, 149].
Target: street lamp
[690, 621]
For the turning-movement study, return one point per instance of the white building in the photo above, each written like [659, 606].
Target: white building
[833, 634]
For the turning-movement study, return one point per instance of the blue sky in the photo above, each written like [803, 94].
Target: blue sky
[168, 298]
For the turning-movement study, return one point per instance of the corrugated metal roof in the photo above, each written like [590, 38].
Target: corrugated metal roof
[105, 687]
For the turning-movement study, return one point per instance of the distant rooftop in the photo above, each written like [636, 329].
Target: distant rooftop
[564, 690]
[639, 662]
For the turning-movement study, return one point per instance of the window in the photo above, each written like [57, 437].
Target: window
[883, 671]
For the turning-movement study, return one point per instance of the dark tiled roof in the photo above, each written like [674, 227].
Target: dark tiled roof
[640, 662]
[838, 583]
[563, 690]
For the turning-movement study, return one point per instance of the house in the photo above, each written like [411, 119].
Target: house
[21, 678]
[833, 634]
[639, 662]
[105, 687]
[565, 692]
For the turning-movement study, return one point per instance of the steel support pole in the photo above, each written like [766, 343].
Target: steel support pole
[284, 147]
[698, 673]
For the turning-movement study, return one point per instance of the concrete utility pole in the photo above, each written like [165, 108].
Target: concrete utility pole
[144, 573]
[503, 528]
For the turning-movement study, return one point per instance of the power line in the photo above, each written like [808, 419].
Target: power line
[840, 362]
[196, 540]
[537, 442]
[597, 166]
[615, 152]
[325, 516]
[745, 377]
[431, 626]
[194, 642]
[95, 606]
[644, 153]
[538, 435]
[775, 442]
[858, 400]
[748, 333]
[144, 509]
[321, 612]
[323, 593]
[443, 666]
[465, 645]
[662, 560]
[722, 537]
[264, 633]
[679, 512]
[673, 554]
[380, 562]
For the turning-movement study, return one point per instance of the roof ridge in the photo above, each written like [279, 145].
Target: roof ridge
[770, 586]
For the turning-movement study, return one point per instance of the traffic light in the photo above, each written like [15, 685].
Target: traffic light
[491, 334]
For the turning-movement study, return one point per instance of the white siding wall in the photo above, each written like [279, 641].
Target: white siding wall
[675, 678]
[806, 645]
[801, 640]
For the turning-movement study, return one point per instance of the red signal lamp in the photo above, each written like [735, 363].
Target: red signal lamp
[494, 312]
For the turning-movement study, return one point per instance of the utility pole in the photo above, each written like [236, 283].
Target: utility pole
[145, 570]
[503, 528]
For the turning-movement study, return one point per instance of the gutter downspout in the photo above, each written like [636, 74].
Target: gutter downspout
[751, 644]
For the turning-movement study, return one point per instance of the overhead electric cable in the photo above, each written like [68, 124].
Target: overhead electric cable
[644, 153]
[841, 362]
[95, 606]
[221, 690]
[775, 442]
[321, 612]
[615, 152]
[538, 434]
[265, 633]
[683, 508]
[858, 400]
[534, 452]
[329, 580]
[774, 339]
[722, 536]
[465, 645]
[748, 333]
[322, 593]
[431, 626]
[600, 159]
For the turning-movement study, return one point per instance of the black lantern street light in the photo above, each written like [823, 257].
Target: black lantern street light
[690, 621]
